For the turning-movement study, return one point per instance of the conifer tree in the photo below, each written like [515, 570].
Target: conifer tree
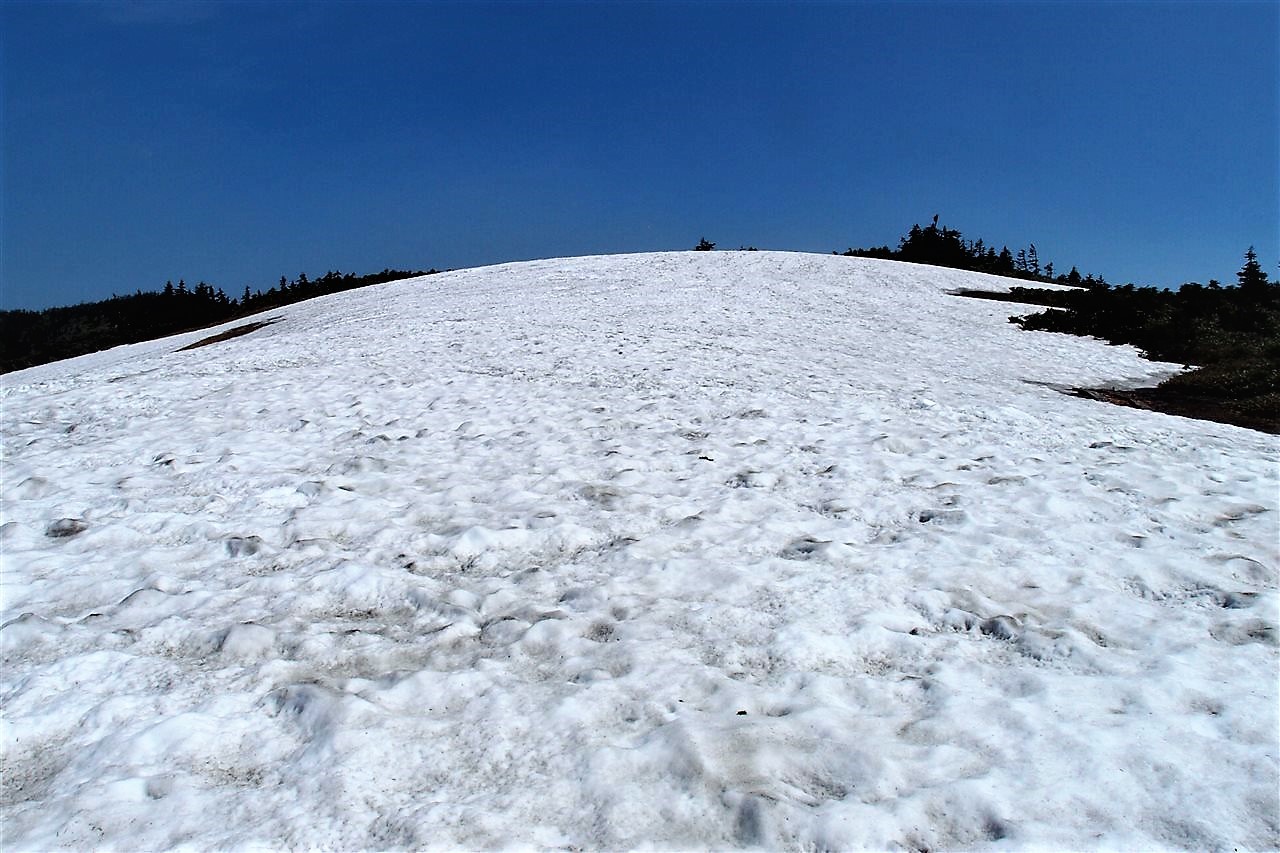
[1005, 261]
[1251, 277]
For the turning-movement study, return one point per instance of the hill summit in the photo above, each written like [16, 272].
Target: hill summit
[682, 550]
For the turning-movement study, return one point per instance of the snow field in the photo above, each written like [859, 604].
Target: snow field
[661, 551]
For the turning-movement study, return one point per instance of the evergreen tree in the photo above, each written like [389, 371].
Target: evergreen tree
[1251, 277]
[1004, 263]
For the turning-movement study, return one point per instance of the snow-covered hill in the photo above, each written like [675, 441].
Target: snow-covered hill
[678, 551]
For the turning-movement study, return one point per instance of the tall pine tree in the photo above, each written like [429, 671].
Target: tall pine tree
[1252, 278]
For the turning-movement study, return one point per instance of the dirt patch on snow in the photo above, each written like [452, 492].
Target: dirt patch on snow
[229, 334]
[1186, 405]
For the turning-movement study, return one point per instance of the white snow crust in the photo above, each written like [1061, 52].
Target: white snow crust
[684, 550]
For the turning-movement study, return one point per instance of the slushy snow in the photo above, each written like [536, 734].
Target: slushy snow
[687, 550]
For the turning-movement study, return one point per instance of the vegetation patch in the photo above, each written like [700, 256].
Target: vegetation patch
[1231, 335]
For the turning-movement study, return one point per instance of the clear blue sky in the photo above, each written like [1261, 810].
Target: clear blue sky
[236, 143]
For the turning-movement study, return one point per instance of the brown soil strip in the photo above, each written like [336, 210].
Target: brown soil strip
[1171, 403]
[229, 334]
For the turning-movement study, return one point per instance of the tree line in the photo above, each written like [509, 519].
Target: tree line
[29, 338]
[941, 246]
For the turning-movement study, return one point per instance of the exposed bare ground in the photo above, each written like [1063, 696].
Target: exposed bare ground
[230, 333]
[1173, 403]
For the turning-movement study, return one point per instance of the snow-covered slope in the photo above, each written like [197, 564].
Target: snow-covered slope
[677, 550]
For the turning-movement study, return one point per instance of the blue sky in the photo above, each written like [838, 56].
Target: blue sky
[235, 143]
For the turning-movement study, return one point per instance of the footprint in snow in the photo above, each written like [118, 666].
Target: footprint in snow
[243, 546]
[504, 632]
[600, 632]
[941, 516]
[804, 548]
[1238, 513]
[1243, 633]
[34, 487]
[1001, 627]
[64, 528]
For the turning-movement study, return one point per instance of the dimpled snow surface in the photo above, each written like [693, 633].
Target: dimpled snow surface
[686, 550]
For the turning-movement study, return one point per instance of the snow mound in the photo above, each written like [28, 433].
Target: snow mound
[688, 550]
